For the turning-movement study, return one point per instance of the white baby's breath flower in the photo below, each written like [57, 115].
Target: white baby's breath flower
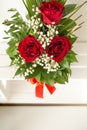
[41, 25]
[38, 19]
[34, 65]
[33, 9]
[36, 13]
[57, 32]
[35, 31]
[42, 39]
[37, 9]
[41, 33]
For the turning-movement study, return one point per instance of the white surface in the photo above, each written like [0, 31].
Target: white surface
[43, 118]
[19, 91]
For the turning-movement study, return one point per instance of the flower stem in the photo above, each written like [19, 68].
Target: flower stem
[77, 9]
[70, 24]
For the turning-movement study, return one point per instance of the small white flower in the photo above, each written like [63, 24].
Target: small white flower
[32, 17]
[30, 68]
[41, 25]
[36, 13]
[39, 37]
[35, 16]
[38, 19]
[51, 38]
[35, 31]
[42, 39]
[49, 26]
[31, 72]
[33, 9]
[44, 46]
[38, 33]
[57, 32]
[37, 9]
[41, 33]
[48, 34]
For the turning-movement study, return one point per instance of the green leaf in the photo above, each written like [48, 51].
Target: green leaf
[15, 15]
[59, 77]
[72, 57]
[12, 10]
[18, 71]
[77, 8]
[51, 82]
[47, 78]
[69, 8]
[73, 39]
[65, 64]
[11, 51]
[28, 4]
[6, 37]
[35, 73]
[65, 75]
[6, 22]
[38, 77]
[21, 70]
[67, 24]
[62, 1]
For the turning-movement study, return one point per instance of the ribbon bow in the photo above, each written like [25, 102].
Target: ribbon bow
[40, 86]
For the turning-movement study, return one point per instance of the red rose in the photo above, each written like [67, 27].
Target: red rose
[30, 49]
[51, 12]
[58, 48]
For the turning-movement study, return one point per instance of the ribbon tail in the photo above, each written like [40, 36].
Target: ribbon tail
[50, 88]
[39, 90]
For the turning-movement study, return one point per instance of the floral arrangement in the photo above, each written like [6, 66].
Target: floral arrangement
[42, 45]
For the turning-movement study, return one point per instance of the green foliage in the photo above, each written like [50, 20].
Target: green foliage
[72, 38]
[66, 25]
[62, 1]
[72, 57]
[18, 29]
[69, 8]
[35, 73]
[20, 70]
[47, 77]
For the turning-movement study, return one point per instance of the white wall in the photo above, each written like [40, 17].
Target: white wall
[75, 92]
[43, 118]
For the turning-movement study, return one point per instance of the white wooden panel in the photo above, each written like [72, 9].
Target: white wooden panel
[2, 97]
[3, 47]
[5, 60]
[21, 91]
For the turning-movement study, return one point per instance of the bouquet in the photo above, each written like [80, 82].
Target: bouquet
[42, 45]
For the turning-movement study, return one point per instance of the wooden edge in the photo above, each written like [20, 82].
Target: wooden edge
[41, 105]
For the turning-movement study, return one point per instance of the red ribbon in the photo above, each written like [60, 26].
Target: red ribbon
[40, 87]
